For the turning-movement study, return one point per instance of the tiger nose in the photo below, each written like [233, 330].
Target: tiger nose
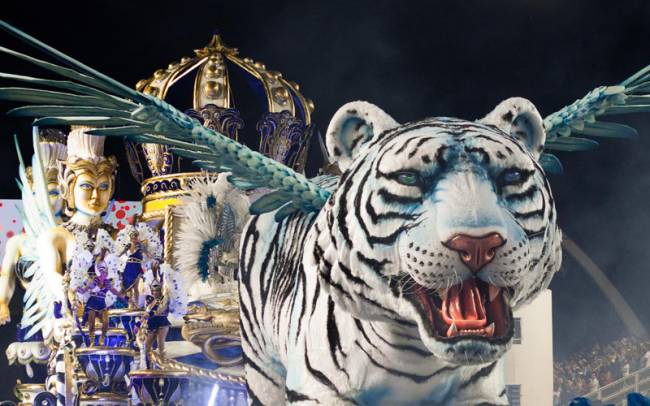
[475, 252]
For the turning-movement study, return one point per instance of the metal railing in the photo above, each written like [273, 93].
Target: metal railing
[616, 392]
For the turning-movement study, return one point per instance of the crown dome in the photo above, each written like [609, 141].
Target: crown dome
[226, 91]
[283, 129]
[211, 65]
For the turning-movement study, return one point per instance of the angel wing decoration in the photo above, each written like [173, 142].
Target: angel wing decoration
[37, 218]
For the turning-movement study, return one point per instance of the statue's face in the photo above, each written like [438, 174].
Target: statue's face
[54, 196]
[92, 194]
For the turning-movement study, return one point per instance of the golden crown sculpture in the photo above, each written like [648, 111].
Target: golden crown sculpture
[284, 128]
[212, 84]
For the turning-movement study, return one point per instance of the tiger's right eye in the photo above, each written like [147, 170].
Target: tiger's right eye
[408, 178]
[512, 176]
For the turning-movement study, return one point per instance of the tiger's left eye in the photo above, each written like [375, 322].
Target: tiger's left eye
[408, 178]
[512, 176]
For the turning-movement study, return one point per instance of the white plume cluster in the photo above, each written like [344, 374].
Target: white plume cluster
[81, 262]
[103, 241]
[212, 217]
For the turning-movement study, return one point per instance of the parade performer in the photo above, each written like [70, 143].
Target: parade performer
[133, 269]
[156, 321]
[103, 290]
[139, 248]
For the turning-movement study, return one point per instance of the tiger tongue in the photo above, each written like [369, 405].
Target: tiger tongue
[465, 305]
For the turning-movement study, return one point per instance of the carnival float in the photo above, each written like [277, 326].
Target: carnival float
[146, 313]
[378, 285]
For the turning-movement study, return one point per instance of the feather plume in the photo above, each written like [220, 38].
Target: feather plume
[212, 217]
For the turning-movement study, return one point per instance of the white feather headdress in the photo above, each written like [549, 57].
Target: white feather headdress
[84, 146]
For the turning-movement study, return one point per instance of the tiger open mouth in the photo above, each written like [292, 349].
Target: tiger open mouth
[471, 309]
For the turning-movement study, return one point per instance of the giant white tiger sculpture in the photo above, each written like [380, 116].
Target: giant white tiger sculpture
[396, 282]
[402, 287]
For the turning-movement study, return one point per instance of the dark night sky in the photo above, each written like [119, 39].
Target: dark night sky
[413, 59]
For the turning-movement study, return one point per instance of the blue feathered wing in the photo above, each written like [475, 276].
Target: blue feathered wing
[581, 117]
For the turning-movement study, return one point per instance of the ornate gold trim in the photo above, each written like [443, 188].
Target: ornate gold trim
[69, 362]
[101, 350]
[258, 70]
[150, 373]
[307, 103]
[25, 392]
[29, 386]
[110, 331]
[171, 364]
[104, 397]
[154, 204]
[168, 243]
[152, 215]
[163, 196]
[184, 177]
[125, 312]
[212, 84]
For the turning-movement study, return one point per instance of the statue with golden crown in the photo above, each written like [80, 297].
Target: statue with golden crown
[86, 181]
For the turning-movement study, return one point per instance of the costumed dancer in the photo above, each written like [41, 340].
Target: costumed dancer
[133, 269]
[166, 297]
[102, 287]
[155, 320]
[140, 249]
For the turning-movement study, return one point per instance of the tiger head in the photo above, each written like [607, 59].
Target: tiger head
[442, 224]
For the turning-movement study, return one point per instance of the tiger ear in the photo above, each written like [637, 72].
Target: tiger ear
[519, 118]
[352, 126]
